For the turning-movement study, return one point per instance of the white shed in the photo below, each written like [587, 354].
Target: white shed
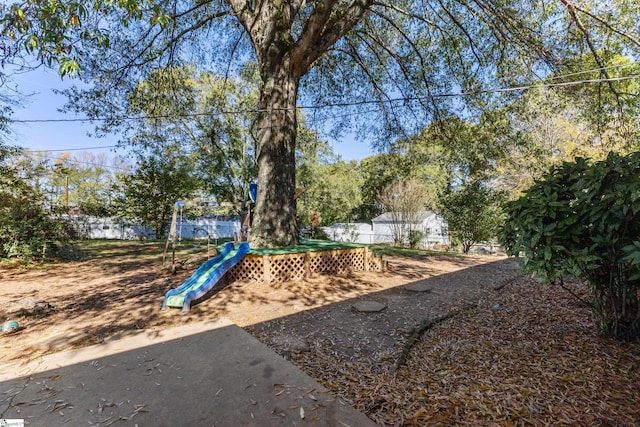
[391, 224]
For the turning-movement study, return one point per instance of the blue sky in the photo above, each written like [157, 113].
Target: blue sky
[44, 104]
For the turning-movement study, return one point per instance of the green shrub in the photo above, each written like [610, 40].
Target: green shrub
[582, 220]
[415, 237]
[319, 233]
[27, 230]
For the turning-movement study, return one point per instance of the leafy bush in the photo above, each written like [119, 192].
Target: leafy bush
[30, 233]
[582, 220]
[415, 237]
[319, 233]
[27, 230]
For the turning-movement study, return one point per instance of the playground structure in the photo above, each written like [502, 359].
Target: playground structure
[175, 230]
[175, 234]
[263, 266]
[268, 266]
[205, 278]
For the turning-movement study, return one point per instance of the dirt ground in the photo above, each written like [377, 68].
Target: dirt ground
[476, 344]
[84, 302]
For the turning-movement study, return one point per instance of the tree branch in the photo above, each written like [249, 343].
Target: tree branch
[627, 36]
[197, 6]
[423, 65]
[327, 29]
[603, 70]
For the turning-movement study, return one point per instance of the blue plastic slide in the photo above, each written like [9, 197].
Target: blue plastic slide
[205, 277]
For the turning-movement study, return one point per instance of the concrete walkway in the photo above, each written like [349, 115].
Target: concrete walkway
[200, 374]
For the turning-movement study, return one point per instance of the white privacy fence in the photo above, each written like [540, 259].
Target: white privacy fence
[428, 240]
[351, 232]
[203, 227]
[91, 227]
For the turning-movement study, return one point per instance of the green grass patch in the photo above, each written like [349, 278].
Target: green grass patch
[306, 245]
[153, 249]
[102, 249]
[388, 250]
[147, 249]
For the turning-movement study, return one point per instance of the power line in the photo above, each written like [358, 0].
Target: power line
[599, 69]
[128, 118]
[561, 84]
[33, 150]
[82, 162]
[353, 103]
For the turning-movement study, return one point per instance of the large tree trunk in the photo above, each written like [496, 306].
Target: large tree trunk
[274, 222]
[283, 59]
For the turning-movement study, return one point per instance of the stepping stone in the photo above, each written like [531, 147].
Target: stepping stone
[419, 287]
[369, 306]
[290, 344]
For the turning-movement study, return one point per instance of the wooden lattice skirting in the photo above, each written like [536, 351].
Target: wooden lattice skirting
[267, 269]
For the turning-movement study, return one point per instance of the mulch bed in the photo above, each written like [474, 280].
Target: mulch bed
[521, 354]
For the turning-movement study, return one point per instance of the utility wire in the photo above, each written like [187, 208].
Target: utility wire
[82, 162]
[595, 70]
[36, 150]
[353, 103]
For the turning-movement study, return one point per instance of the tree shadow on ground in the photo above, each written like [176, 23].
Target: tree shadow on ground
[350, 333]
[92, 301]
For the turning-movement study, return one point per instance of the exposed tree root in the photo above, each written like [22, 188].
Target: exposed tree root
[427, 324]
[508, 281]
[419, 330]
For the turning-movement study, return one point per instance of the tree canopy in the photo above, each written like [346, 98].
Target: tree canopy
[473, 213]
[150, 193]
[400, 62]
[191, 111]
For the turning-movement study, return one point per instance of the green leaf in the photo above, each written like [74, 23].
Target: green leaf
[68, 67]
